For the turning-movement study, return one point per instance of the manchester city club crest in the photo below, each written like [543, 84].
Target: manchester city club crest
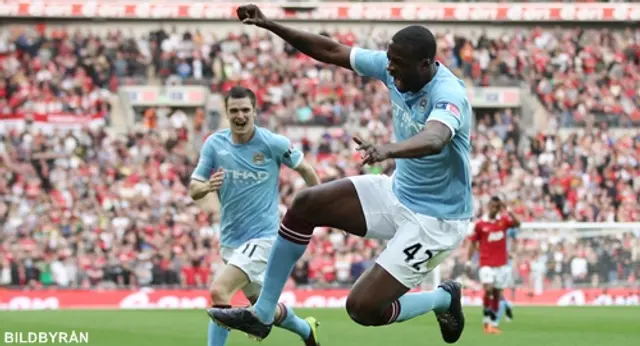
[258, 158]
[423, 104]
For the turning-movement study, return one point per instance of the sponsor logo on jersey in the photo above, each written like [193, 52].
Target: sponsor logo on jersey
[495, 236]
[246, 177]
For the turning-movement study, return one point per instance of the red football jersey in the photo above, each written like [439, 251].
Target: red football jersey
[491, 236]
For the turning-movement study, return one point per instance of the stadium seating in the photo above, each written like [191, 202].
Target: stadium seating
[77, 208]
[64, 72]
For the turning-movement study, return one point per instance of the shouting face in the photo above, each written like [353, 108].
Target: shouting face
[241, 115]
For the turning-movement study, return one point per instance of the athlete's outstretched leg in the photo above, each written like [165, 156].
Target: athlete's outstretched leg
[419, 244]
[390, 303]
[334, 204]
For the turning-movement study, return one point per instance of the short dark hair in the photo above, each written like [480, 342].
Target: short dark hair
[495, 199]
[418, 40]
[240, 92]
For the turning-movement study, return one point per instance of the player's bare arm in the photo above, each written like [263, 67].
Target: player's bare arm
[430, 141]
[316, 46]
[307, 173]
[199, 189]
[512, 216]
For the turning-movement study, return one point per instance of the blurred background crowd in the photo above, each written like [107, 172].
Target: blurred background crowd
[91, 208]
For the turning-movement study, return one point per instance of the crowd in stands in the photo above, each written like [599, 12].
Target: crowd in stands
[89, 209]
[578, 74]
[61, 72]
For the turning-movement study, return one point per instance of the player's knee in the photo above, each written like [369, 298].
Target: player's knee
[357, 311]
[219, 295]
[363, 312]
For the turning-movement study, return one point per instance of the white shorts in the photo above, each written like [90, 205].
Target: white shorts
[250, 257]
[498, 277]
[417, 243]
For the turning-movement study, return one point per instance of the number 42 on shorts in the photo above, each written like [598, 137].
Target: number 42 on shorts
[423, 260]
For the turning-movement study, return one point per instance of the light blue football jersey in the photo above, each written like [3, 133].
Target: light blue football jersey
[437, 185]
[249, 193]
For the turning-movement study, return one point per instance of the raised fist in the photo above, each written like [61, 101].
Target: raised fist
[251, 15]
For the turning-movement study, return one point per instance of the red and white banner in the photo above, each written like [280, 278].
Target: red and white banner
[197, 299]
[48, 122]
[448, 12]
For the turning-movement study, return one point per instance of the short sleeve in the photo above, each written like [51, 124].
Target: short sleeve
[450, 106]
[206, 162]
[370, 63]
[285, 152]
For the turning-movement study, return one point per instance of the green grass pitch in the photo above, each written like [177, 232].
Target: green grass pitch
[593, 326]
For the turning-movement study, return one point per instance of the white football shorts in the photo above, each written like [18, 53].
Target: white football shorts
[416, 243]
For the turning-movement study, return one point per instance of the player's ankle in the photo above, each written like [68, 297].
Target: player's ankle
[445, 300]
[260, 315]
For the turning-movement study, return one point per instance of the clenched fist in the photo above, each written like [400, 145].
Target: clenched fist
[251, 15]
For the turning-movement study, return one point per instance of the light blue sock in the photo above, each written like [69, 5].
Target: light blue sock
[506, 303]
[217, 335]
[501, 309]
[416, 304]
[283, 257]
[291, 322]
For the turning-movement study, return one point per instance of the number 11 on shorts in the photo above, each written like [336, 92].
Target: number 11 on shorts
[249, 246]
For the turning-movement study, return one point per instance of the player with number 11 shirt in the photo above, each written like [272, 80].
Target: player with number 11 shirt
[241, 165]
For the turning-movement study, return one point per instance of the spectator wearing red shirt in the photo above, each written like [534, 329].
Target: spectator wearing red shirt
[195, 274]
